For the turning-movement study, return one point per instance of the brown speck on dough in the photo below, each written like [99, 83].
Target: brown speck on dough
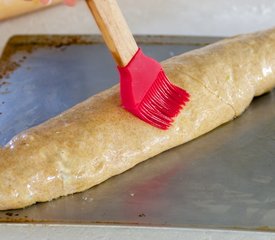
[142, 215]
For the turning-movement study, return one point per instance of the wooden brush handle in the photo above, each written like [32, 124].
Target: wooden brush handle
[114, 29]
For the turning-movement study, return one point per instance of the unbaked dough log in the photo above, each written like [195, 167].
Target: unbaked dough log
[97, 139]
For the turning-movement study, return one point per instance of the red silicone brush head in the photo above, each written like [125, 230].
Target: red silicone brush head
[147, 93]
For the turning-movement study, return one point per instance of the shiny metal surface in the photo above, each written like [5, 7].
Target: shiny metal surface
[225, 179]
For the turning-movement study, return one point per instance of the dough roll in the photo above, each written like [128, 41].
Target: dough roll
[12, 8]
[97, 139]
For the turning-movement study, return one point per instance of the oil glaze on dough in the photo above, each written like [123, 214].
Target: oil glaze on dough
[97, 139]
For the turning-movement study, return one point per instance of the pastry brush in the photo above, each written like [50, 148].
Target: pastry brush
[144, 87]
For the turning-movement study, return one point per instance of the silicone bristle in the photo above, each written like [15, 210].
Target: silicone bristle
[162, 102]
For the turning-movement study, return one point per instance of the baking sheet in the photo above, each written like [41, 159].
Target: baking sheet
[224, 179]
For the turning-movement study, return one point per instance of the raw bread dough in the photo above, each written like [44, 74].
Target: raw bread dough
[97, 139]
[12, 8]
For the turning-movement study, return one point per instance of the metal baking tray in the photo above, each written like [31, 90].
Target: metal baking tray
[222, 180]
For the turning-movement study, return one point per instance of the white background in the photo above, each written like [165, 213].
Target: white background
[188, 17]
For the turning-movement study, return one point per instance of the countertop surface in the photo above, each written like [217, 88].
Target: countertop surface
[162, 17]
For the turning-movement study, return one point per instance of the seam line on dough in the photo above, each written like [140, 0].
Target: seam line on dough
[61, 175]
[213, 93]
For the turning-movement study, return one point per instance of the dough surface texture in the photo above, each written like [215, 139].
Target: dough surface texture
[97, 139]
